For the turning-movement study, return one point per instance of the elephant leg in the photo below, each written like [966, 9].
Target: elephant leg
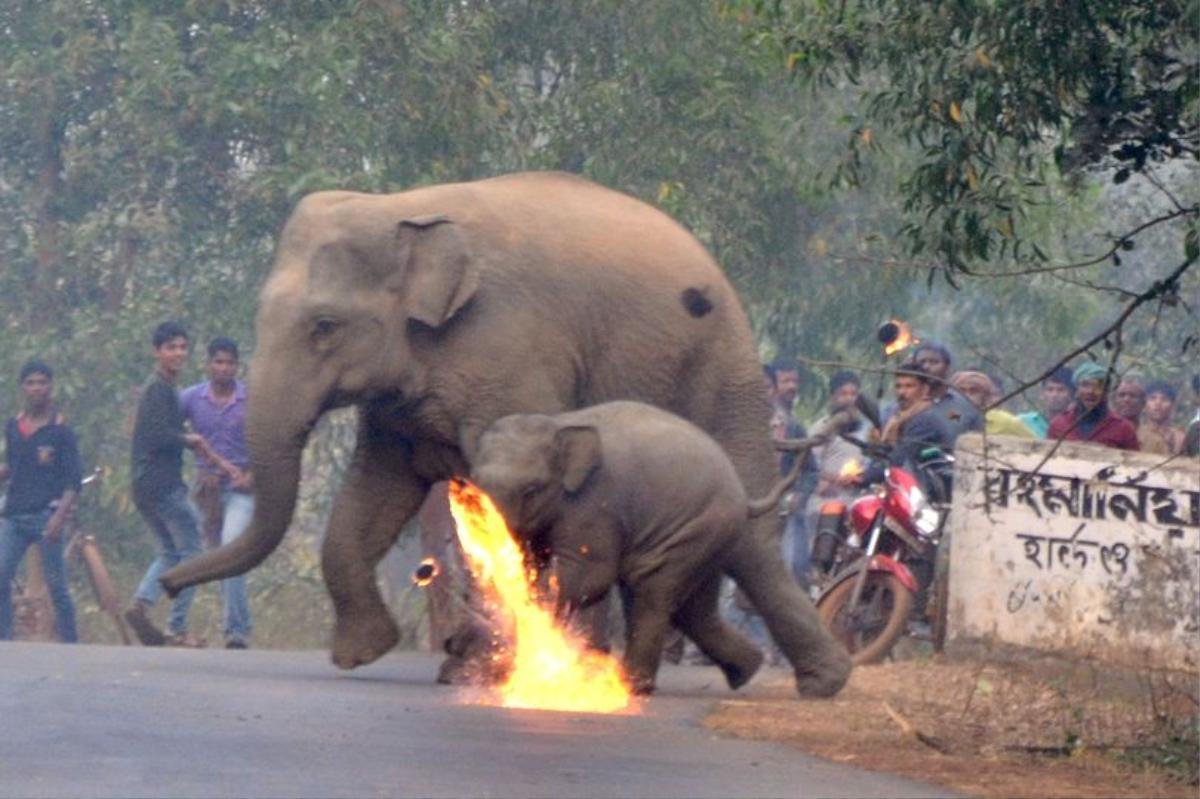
[820, 663]
[379, 495]
[701, 620]
[648, 623]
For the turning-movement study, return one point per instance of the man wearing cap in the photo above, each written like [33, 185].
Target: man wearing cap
[1088, 418]
[980, 389]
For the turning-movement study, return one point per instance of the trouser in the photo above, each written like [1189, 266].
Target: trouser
[17, 533]
[176, 527]
[238, 510]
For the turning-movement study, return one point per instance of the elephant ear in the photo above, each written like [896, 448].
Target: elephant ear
[438, 276]
[579, 455]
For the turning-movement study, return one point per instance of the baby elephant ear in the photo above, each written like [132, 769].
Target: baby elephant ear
[578, 455]
[437, 274]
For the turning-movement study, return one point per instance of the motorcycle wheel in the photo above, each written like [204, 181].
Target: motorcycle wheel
[880, 620]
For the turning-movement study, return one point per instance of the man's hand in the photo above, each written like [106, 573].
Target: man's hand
[54, 528]
[244, 481]
[194, 441]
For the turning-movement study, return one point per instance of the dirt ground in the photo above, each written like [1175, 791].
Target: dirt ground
[993, 724]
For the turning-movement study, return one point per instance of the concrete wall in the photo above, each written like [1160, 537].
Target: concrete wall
[1094, 551]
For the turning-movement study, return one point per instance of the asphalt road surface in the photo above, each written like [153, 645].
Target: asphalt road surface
[88, 721]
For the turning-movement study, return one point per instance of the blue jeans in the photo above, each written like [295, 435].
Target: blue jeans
[238, 509]
[17, 532]
[797, 549]
[176, 526]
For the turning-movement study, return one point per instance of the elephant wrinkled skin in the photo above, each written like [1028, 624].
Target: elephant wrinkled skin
[625, 492]
[437, 311]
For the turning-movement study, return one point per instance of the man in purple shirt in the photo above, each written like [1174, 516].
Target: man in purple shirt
[216, 410]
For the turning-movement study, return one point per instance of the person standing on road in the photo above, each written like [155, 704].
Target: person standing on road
[44, 476]
[216, 409]
[159, 493]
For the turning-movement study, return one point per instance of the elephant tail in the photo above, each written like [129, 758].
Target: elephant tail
[801, 447]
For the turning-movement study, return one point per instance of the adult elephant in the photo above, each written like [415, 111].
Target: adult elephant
[437, 311]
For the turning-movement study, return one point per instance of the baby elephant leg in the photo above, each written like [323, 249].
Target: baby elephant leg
[648, 623]
[700, 619]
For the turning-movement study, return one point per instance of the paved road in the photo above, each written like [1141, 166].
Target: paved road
[88, 721]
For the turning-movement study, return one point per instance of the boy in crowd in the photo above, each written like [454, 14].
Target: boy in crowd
[159, 493]
[216, 409]
[1057, 392]
[42, 467]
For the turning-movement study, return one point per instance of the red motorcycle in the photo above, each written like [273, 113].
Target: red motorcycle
[878, 554]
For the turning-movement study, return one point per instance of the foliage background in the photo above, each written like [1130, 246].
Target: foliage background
[150, 150]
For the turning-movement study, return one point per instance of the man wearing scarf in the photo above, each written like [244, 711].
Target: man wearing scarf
[1088, 418]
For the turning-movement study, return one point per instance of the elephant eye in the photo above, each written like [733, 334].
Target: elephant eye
[325, 326]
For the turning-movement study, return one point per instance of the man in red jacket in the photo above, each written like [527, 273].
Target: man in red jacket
[1088, 418]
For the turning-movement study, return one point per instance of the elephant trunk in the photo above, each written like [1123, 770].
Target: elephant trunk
[276, 470]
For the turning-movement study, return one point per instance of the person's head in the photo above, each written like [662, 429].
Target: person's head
[786, 377]
[170, 342]
[1089, 385]
[911, 384]
[976, 387]
[935, 360]
[222, 361]
[1129, 399]
[843, 390]
[1057, 391]
[1160, 401]
[37, 384]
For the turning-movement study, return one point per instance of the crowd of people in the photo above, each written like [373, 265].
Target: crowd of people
[933, 404]
[42, 469]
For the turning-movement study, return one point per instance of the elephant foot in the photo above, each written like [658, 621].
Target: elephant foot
[826, 677]
[458, 670]
[738, 674]
[357, 642]
[641, 685]
[475, 656]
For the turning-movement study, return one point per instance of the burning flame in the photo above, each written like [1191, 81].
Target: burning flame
[552, 667]
[904, 338]
[851, 468]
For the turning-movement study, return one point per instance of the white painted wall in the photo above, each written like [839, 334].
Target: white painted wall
[1095, 551]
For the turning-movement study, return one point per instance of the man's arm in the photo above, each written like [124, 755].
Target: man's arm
[72, 471]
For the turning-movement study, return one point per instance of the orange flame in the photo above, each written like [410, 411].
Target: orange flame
[851, 468]
[903, 339]
[552, 667]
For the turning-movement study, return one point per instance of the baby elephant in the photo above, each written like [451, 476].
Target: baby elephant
[625, 492]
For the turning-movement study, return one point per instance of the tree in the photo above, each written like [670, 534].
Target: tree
[1009, 108]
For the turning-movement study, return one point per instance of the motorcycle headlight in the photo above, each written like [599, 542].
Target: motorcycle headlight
[925, 516]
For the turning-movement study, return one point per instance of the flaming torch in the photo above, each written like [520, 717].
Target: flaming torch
[895, 336]
[552, 668]
[425, 573]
